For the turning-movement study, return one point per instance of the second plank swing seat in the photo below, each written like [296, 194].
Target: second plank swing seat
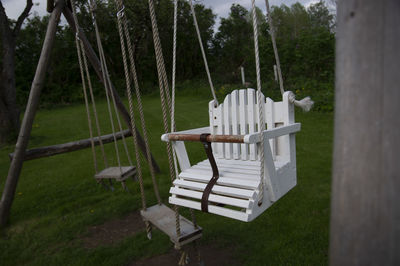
[251, 150]
[180, 230]
[118, 173]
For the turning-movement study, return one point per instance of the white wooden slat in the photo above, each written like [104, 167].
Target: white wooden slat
[235, 122]
[227, 191]
[213, 198]
[220, 131]
[213, 124]
[227, 169]
[244, 148]
[204, 176]
[271, 124]
[238, 162]
[262, 126]
[238, 215]
[227, 126]
[181, 154]
[270, 174]
[234, 164]
[290, 140]
[251, 113]
[278, 112]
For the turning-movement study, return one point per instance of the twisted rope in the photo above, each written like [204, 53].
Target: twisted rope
[84, 70]
[163, 91]
[107, 82]
[132, 117]
[124, 34]
[306, 103]
[203, 53]
[260, 103]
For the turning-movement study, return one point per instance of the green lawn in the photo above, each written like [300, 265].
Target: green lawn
[57, 199]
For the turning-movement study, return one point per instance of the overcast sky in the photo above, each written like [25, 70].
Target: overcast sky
[220, 7]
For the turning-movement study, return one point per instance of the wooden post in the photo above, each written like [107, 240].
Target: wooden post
[242, 74]
[93, 59]
[26, 126]
[365, 215]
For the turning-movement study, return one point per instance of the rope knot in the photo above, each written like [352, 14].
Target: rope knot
[306, 103]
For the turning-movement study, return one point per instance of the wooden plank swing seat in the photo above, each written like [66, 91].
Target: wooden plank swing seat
[163, 218]
[236, 140]
[119, 174]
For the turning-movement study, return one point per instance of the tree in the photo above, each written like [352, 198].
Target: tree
[233, 43]
[9, 111]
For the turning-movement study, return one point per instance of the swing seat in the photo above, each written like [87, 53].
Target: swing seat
[237, 193]
[118, 173]
[163, 218]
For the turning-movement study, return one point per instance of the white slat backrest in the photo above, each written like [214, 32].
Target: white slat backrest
[238, 115]
[235, 122]
[227, 126]
[252, 121]
[244, 148]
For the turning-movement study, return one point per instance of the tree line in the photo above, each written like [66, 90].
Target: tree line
[305, 40]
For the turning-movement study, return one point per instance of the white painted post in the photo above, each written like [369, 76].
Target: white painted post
[243, 78]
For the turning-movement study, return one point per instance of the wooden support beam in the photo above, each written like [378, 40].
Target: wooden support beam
[48, 151]
[94, 60]
[365, 213]
[23, 138]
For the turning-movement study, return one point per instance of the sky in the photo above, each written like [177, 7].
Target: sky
[220, 7]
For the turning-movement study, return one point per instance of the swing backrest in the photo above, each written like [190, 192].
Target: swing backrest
[239, 115]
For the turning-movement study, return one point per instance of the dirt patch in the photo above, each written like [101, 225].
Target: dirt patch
[210, 256]
[113, 231]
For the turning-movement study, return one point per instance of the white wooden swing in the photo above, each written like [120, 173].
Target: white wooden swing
[252, 162]
[237, 191]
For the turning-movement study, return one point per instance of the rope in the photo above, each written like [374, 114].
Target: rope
[163, 87]
[174, 65]
[203, 53]
[259, 99]
[123, 29]
[77, 42]
[272, 33]
[306, 103]
[107, 83]
[106, 73]
[132, 117]
[83, 65]
[173, 126]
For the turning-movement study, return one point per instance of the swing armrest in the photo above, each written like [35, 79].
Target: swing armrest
[273, 133]
[200, 130]
[193, 135]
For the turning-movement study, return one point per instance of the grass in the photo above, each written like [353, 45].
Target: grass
[57, 198]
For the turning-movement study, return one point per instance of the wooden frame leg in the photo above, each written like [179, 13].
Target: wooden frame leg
[31, 108]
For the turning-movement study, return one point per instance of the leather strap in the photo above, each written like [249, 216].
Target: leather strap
[213, 180]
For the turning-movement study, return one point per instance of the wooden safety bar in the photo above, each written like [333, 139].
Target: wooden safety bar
[210, 138]
[249, 138]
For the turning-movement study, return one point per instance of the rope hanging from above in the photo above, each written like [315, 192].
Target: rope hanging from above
[259, 100]
[164, 93]
[203, 53]
[305, 103]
